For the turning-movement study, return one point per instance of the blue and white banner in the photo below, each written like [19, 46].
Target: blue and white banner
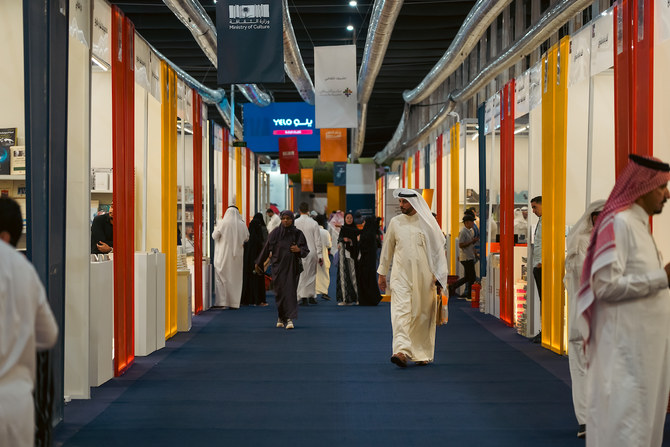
[250, 42]
[335, 85]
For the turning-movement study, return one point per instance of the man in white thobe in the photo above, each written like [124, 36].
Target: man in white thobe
[273, 220]
[323, 271]
[415, 244]
[26, 325]
[307, 282]
[625, 301]
[230, 235]
[577, 244]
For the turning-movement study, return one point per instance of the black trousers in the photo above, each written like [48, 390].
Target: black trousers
[470, 275]
[537, 274]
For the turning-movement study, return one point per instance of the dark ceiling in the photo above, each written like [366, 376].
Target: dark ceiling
[422, 33]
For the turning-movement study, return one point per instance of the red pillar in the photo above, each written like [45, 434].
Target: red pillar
[507, 204]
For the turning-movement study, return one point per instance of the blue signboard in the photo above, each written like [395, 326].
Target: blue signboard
[263, 126]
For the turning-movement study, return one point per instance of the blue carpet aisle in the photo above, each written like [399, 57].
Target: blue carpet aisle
[236, 380]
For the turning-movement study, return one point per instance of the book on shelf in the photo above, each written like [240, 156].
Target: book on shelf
[5, 188]
[18, 163]
[7, 140]
[18, 188]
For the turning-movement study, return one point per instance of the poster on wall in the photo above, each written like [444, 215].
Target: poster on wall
[102, 24]
[257, 31]
[521, 95]
[7, 140]
[602, 41]
[335, 86]
[579, 68]
[142, 63]
[79, 21]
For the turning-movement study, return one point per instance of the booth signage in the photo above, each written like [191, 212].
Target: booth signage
[602, 42]
[102, 24]
[142, 63]
[579, 68]
[264, 126]
[521, 95]
[256, 29]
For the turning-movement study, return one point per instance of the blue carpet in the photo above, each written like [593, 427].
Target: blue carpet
[236, 380]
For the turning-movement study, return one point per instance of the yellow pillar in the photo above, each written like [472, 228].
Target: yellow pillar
[454, 220]
[554, 137]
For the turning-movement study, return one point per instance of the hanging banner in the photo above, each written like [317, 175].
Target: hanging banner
[102, 23]
[307, 180]
[142, 63]
[335, 86]
[333, 145]
[580, 57]
[602, 43]
[288, 155]
[250, 42]
[521, 95]
[340, 174]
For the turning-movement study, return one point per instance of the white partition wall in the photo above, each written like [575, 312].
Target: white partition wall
[78, 245]
[662, 115]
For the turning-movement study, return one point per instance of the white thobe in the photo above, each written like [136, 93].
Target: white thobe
[26, 325]
[412, 287]
[230, 235]
[323, 271]
[273, 223]
[629, 350]
[307, 281]
[576, 355]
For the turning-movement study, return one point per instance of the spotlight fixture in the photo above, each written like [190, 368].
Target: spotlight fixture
[353, 3]
[350, 27]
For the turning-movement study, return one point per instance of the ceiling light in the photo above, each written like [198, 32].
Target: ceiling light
[353, 3]
[350, 27]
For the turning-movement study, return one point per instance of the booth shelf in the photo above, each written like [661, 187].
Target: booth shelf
[101, 191]
[13, 177]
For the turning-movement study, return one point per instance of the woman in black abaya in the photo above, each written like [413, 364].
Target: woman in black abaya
[368, 291]
[347, 245]
[286, 245]
[253, 284]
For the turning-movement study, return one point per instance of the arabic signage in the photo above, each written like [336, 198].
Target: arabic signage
[264, 126]
[250, 43]
[288, 155]
[335, 86]
[333, 145]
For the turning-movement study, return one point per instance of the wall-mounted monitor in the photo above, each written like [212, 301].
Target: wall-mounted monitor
[263, 126]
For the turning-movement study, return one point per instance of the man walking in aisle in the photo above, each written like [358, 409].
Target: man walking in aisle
[415, 245]
[307, 282]
[625, 300]
[536, 260]
[466, 242]
[273, 220]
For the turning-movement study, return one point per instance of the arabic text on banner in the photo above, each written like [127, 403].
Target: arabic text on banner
[250, 45]
[288, 155]
[307, 180]
[335, 85]
[333, 145]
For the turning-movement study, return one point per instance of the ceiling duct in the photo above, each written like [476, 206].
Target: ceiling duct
[548, 24]
[475, 25]
[210, 96]
[193, 15]
[293, 64]
[382, 21]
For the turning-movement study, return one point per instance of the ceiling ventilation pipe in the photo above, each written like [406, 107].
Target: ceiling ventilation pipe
[382, 21]
[548, 24]
[193, 15]
[475, 25]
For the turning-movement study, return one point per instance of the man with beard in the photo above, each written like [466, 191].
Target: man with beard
[625, 300]
[415, 244]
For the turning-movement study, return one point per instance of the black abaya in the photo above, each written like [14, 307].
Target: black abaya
[253, 285]
[366, 270]
[285, 267]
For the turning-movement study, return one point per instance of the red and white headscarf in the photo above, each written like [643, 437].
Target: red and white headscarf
[642, 175]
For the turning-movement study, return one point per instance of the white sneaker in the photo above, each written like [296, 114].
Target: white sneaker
[280, 323]
[289, 324]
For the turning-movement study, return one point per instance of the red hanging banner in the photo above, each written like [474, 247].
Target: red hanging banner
[123, 197]
[197, 199]
[507, 203]
[288, 155]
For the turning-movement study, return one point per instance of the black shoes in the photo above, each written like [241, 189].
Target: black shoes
[303, 302]
[581, 432]
[312, 300]
[325, 297]
[537, 338]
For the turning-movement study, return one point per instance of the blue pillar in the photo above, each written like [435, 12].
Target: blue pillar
[45, 37]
